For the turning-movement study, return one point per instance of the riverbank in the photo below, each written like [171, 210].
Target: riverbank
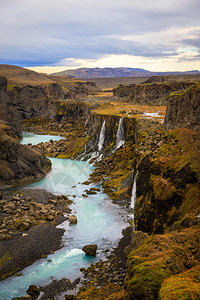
[28, 227]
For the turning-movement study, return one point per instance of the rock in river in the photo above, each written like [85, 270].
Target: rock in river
[33, 291]
[72, 219]
[90, 249]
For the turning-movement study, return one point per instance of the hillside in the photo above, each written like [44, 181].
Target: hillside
[21, 76]
[115, 72]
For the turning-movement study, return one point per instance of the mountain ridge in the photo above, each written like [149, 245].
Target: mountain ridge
[116, 72]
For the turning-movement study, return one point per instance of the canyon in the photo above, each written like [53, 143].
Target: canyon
[139, 153]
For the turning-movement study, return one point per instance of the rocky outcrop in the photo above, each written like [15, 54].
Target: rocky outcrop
[149, 93]
[75, 88]
[183, 110]
[8, 112]
[71, 109]
[19, 163]
[32, 101]
[168, 182]
[33, 94]
[161, 257]
[173, 78]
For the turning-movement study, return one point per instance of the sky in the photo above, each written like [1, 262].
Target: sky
[55, 35]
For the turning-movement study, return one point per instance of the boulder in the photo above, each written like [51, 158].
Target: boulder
[90, 249]
[33, 291]
[72, 219]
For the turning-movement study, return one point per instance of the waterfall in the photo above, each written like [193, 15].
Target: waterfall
[102, 136]
[133, 197]
[120, 138]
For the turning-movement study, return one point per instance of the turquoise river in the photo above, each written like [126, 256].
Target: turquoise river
[99, 222]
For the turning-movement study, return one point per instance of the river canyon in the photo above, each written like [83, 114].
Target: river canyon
[125, 165]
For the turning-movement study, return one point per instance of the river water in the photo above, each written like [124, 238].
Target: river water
[99, 222]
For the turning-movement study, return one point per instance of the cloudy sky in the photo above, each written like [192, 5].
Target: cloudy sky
[53, 35]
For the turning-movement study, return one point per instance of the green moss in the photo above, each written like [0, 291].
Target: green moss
[163, 188]
[3, 262]
[180, 148]
[185, 286]
[10, 87]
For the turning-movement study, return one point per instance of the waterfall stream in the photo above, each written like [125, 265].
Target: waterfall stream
[102, 136]
[120, 137]
[133, 197]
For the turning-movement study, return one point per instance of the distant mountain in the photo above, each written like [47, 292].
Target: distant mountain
[116, 72]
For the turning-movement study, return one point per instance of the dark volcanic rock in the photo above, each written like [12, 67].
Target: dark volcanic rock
[90, 249]
[183, 110]
[8, 112]
[19, 163]
[33, 291]
[34, 101]
[150, 93]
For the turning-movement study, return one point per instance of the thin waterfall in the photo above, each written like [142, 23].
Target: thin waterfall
[102, 136]
[133, 196]
[120, 137]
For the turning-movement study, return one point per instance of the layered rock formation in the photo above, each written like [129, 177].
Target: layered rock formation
[19, 164]
[149, 93]
[183, 110]
[173, 78]
[32, 101]
[168, 197]
[75, 88]
[35, 94]
[8, 111]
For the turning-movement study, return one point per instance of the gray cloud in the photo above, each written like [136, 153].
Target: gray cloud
[44, 32]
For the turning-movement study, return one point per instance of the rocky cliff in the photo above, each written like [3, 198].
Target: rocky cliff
[75, 88]
[19, 164]
[183, 110]
[167, 208]
[149, 93]
[35, 95]
[8, 112]
[32, 101]
[173, 78]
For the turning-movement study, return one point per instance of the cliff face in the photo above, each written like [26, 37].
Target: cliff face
[71, 109]
[149, 93]
[183, 110]
[34, 95]
[167, 206]
[19, 164]
[8, 112]
[74, 87]
[94, 125]
[173, 78]
[32, 101]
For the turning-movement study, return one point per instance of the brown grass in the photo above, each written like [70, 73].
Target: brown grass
[123, 109]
